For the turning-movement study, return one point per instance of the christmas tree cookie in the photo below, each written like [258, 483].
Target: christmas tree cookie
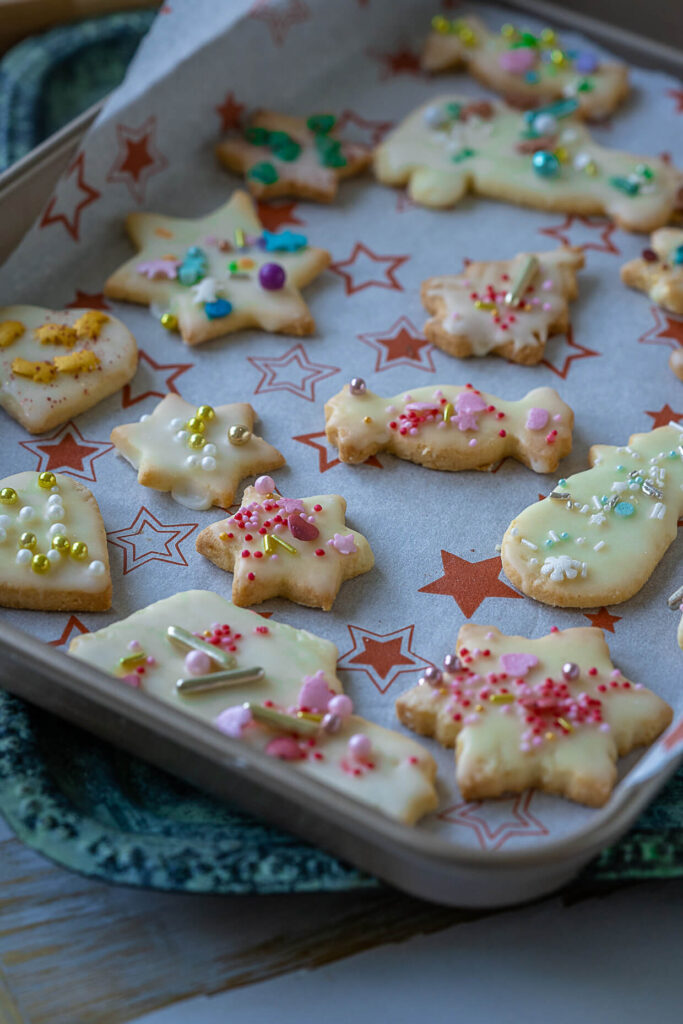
[199, 454]
[506, 307]
[543, 158]
[272, 686]
[551, 713]
[450, 427]
[598, 537]
[527, 70]
[55, 364]
[298, 548]
[281, 155]
[220, 273]
[53, 548]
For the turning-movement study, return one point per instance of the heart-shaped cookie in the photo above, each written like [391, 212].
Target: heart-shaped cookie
[53, 547]
[56, 364]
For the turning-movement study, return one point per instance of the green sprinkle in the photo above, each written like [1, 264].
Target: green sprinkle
[464, 154]
[263, 172]
[283, 146]
[257, 136]
[329, 151]
[585, 85]
[321, 124]
[631, 188]
[453, 110]
[645, 172]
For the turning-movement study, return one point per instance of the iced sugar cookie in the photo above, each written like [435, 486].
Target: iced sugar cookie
[659, 271]
[676, 362]
[598, 537]
[53, 548]
[544, 158]
[220, 273]
[199, 454]
[508, 307]
[55, 364]
[273, 686]
[527, 70]
[298, 548]
[552, 713]
[450, 427]
[281, 155]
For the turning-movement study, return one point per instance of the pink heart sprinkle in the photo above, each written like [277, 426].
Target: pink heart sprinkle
[315, 694]
[301, 529]
[518, 664]
[536, 418]
[517, 61]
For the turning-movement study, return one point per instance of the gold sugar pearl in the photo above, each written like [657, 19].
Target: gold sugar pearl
[548, 36]
[61, 543]
[508, 31]
[79, 550]
[8, 496]
[557, 57]
[40, 564]
[196, 425]
[239, 434]
[28, 540]
[47, 480]
[196, 441]
[169, 321]
[550, 736]
[205, 412]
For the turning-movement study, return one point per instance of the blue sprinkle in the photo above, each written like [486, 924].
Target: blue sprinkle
[532, 77]
[549, 543]
[678, 255]
[564, 535]
[217, 309]
[624, 508]
[285, 241]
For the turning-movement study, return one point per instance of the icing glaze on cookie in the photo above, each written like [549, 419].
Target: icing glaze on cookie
[472, 316]
[599, 536]
[53, 548]
[451, 427]
[199, 454]
[56, 364]
[551, 713]
[659, 271]
[386, 770]
[299, 548]
[450, 146]
[220, 273]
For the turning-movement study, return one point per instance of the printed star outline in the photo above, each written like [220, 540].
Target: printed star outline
[662, 417]
[71, 221]
[138, 158]
[280, 17]
[603, 619]
[73, 627]
[496, 822]
[230, 112]
[67, 451]
[402, 344]
[392, 263]
[324, 461]
[677, 96]
[383, 657]
[309, 373]
[469, 583]
[168, 550]
[402, 61]
[374, 131]
[148, 368]
[275, 215]
[667, 330]
[604, 229]
[88, 300]
[582, 352]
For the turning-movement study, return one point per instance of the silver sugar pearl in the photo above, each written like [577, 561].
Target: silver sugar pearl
[451, 663]
[433, 676]
[331, 723]
[571, 671]
[357, 386]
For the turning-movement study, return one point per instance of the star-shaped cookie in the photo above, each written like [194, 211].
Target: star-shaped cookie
[526, 69]
[281, 155]
[53, 548]
[220, 273]
[552, 713]
[659, 270]
[508, 307]
[199, 454]
[55, 364]
[298, 548]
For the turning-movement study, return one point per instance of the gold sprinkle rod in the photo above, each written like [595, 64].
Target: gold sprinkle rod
[526, 276]
[280, 720]
[185, 639]
[219, 680]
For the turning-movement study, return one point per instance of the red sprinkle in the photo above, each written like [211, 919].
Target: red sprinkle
[319, 552]
[317, 508]
[592, 671]
[501, 433]
[250, 576]
[245, 553]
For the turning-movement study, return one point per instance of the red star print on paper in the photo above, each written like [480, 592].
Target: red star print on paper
[326, 453]
[138, 158]
[469, 583]
[567, 352]
[293, 372]
[73, 626]
[370, 133]
[147, 539]
[280, 16]
[275, 215]
[365, 273]
[584, 232]
[664, 416]
[402, 344]
[88, 300]
[677, 96]
[230, 113]
[382, 656]
[65, 207]
[603, 619]
[667, 330]
[496, 822]
[67, 451]
[400, 62]
[152, 380]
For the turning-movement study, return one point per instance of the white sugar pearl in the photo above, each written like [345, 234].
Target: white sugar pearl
[182, 435]
[176, 423]
[435, 116]
[96, 568]
[209, 449]
[545, 124]
[26, 514]
[54, 499]
[55, 512]
[24, 556]
[55, 529]
[208, 463]
[192, 461]
[3, 534]
[5, 522]
[54, 556]
[582, 160]
[55, 489]
[145, 416]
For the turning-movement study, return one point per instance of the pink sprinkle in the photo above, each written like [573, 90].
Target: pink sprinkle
[132, 679]
[315, 693]
[547, 307]
[557, 417]
[536, 418]
[472, 443]
[413, 431]
[341, 705]
[286, 748]
[264, 485]
[360, 746]
[547, 285]
[234, 720]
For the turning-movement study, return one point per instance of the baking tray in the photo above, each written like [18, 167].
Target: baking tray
[415, 860]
